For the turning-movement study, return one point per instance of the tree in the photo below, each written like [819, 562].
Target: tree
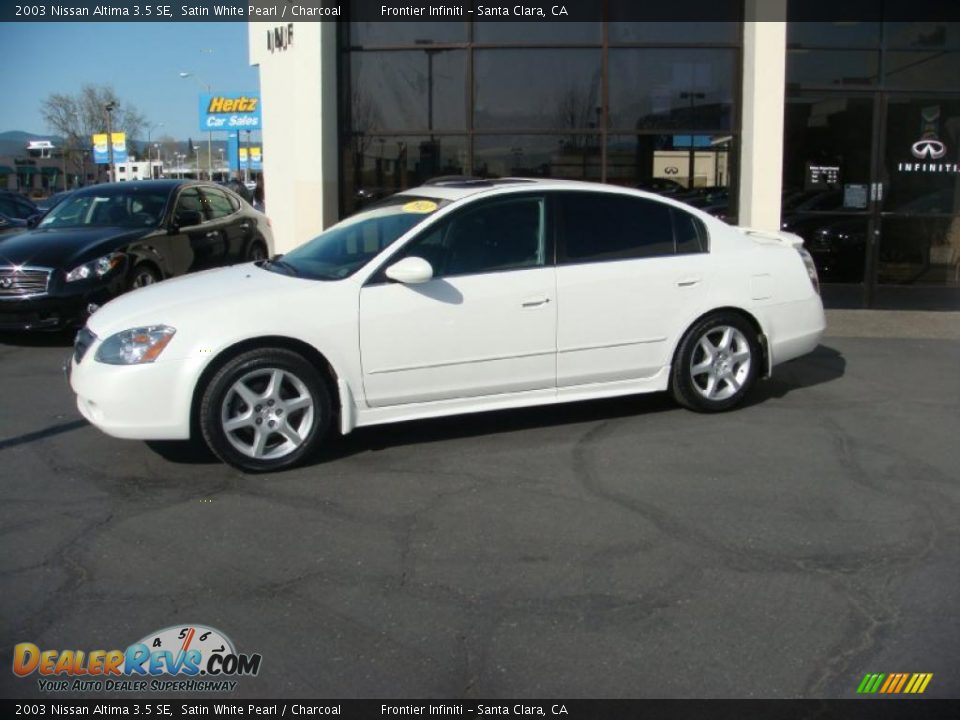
[76, 117]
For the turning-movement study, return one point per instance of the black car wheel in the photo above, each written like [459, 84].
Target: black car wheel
[142, 276]
[716, 363]
[265, 410]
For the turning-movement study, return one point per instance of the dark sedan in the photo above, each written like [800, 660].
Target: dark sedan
[104, 240]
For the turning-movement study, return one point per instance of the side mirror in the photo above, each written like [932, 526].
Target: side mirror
[34, 220]
[410, 271]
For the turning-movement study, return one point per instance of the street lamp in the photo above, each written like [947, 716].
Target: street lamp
[209, 132]
[110, 107]
[150, 129]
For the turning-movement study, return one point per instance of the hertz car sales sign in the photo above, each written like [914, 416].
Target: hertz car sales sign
[230, 111]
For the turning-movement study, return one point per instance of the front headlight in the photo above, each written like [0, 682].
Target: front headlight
[135, 346]
[811, 268]
[95, 268]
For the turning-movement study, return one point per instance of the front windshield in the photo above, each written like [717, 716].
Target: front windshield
[132, 207]
[352, 243]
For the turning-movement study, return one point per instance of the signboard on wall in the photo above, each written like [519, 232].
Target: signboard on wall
[822, 176]
[101, 153]
[230, 111]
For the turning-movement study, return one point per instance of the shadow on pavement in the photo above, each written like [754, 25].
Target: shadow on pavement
[823, 365]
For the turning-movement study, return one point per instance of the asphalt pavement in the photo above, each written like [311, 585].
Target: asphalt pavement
[620, 548]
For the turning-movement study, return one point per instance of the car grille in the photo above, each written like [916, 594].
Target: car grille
[21, 282]
[82, 343]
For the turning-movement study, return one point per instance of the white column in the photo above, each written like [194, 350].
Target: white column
[764, 79]
[298, 90]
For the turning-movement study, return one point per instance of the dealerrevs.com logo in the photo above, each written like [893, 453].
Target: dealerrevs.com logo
[184, 658]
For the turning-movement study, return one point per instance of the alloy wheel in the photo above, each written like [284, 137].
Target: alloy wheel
[720, 363]
[267, 413]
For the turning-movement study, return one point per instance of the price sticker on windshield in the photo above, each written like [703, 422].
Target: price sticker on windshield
[420, 206]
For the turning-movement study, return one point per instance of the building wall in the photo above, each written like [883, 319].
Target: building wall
[761, 149]
[299, 81]
[298, 88]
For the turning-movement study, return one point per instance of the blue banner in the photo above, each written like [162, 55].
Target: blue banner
[101, 153]
[230, 111]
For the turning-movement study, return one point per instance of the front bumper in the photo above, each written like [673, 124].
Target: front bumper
[55, 311]
[141, 402]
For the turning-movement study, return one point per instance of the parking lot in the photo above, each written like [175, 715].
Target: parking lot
[621, 548]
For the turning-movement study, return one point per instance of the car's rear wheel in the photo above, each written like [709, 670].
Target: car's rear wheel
[266, 409]
[716, 364]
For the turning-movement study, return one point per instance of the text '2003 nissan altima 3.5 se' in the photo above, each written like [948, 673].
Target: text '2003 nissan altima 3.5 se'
[458, 296]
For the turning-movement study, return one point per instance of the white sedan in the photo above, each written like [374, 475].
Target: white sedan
[458, 296]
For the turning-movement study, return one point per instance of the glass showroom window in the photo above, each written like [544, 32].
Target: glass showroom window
[649, 105]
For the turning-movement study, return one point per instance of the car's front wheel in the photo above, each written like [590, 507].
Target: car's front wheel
[266, 409]
[716, 363]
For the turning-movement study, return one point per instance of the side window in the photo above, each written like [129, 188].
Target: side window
[690, 233]
[218, 206]
[499, 235]
[189, 201]
[7, 207]
[25, 209]
[600, 226]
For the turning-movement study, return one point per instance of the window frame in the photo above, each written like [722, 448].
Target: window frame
[175, 207]
[560, 248]
[204, 189]
[378, 276]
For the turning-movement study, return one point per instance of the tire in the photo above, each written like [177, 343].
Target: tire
[256, 251]
[143, 275]
[716, 364]
[245, 410]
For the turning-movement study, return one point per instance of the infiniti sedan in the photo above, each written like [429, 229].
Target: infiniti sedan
[101, 241]
[454, 297]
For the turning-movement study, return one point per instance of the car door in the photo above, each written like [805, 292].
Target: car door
[225, 217]
[202, 243]
[485, 324]
[630, 270]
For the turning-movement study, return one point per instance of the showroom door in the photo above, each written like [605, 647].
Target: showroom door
[915, 253]
[871, 183]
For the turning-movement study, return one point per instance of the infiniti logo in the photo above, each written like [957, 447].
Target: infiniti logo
[6, 282]
[928, 149]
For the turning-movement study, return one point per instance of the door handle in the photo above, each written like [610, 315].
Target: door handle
[212, 233]
[535, 302]
[688, 281]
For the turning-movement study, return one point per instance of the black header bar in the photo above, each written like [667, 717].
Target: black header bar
[285, 11]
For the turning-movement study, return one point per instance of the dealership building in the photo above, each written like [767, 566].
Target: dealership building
[846, 132]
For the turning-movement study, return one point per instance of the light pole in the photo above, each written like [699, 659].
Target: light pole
[150, 129]
[246, 174]
[110, 107]
[209, 132]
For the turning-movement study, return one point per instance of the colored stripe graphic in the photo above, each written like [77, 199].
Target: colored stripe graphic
[903, 679]
[894, 683]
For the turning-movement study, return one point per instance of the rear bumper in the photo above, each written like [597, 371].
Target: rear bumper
[794, 328]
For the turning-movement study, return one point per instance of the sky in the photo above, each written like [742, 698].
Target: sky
[142, 62]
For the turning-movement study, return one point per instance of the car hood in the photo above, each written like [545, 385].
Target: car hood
[212, 298]
[62, 248]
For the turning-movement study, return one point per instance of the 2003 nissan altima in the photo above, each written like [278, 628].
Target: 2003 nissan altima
[458, 296]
